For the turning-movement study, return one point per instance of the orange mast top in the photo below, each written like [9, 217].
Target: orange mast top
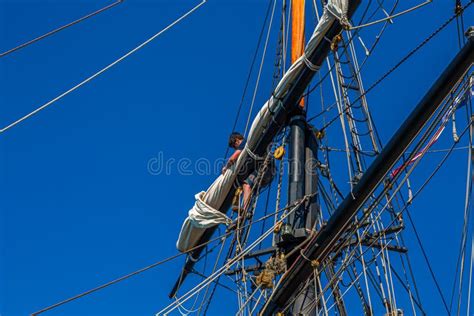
[297, 32]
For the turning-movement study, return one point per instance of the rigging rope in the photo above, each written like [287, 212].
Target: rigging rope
[416, 49]
[468, 308]
[419, 240]
[458, 9]
[228, 264]
[250, 71]
[217, 281]
[360, 274]
[246, 129]
[465, 230]
[276, 75]
[103, 69]
[389, 18]
[139, 271]
[417, 193]
[261, 68]
[377, 40]
[469, 192]
[423, 186]
[241, 239]
[398, 64]
[60, 28]
[425, 256]
[393, 221]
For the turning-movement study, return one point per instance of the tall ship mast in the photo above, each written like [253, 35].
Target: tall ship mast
[310, 213]
[328, 249]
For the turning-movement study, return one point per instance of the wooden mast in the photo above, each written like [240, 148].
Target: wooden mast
[297, 32]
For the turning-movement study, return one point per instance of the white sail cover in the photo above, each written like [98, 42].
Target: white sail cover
[195, 226]
[200, 217]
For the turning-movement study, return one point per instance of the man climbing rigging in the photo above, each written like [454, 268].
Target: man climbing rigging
[236, 141]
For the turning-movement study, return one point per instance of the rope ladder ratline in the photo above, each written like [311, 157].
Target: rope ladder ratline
[54, 101]
[416, 194]
[398, 64]
[355, 141]
[47, 104]
[400, 187]
[355, 34]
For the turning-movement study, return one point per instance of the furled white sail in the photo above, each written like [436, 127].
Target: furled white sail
[193, 227]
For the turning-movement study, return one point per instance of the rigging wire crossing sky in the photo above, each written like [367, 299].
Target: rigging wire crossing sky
[97, 188]
[103, 69]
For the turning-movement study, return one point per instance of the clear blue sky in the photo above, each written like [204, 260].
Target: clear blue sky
[78, 205]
